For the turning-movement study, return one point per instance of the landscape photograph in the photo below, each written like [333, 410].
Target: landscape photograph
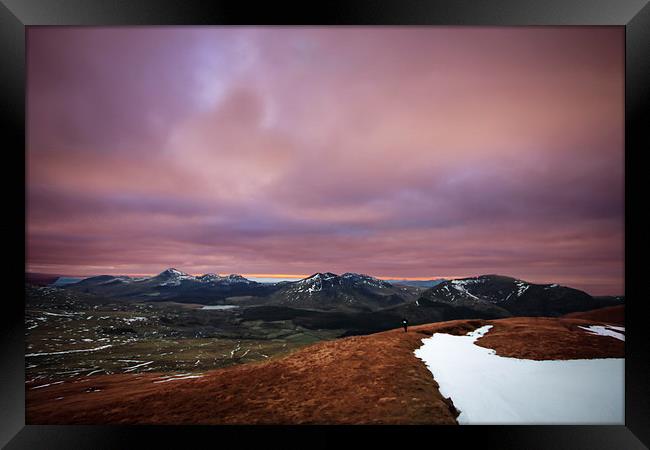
[325, 226]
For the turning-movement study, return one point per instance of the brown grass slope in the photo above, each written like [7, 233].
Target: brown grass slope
[374, 379]
[611, 315]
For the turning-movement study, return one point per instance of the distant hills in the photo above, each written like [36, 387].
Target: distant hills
[325, 300]
[495, 296]
[350, 291]
[173, 285]
[326, 291]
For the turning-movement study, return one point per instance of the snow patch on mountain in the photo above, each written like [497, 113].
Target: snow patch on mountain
[357, 278]
[174, 277]
[314, 283]
[459, 285]
[521, 287]
[320, 281]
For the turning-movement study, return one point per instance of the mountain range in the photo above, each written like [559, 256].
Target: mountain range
[350, 291]
[497, 296]
[173, 285]
[374, 301]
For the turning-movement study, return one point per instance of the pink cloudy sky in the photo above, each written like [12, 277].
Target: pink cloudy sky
[396, 152]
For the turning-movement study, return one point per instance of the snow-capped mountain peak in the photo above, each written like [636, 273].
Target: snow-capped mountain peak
[209, 277]
[173, 277]
[319, 281]
[316, 282]
[221, 279]
[359, 278]
[236, 278]
[498, 290]
[319, 277]
[171, 272]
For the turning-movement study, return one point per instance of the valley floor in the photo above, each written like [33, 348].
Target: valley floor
[372, 379]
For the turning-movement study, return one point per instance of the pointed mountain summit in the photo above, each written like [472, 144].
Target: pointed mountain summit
[172, 273]
[350, 291]
[171, 277]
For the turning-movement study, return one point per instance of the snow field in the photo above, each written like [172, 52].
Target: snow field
[491, 389]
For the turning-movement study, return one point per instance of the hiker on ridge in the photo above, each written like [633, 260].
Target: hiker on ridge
[405, 324]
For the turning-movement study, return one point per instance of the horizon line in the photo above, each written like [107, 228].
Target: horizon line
[281, 276]
[260, 275]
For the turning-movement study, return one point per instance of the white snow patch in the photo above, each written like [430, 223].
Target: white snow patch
[132, 368]
[46, 385]
[60, 315]
[606, 330]
[521, 288]
[135, 319]
[217, 307]
[491, 389]
[178, 378]
[460, 287]
[315, 288]
[69, 351]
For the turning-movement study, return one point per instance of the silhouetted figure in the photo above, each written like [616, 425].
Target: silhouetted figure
[405, 324]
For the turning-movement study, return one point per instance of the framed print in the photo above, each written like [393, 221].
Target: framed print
[350, 223]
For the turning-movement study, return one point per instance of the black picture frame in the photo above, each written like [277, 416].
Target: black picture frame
[16, 15]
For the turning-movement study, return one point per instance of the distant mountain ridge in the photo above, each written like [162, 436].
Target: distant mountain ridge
[169, 276]
[507, 295]
[327, 291]
[347, 291]
[173, 285]
[485, 296]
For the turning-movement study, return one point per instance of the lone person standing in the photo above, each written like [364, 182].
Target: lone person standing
[405, 324]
